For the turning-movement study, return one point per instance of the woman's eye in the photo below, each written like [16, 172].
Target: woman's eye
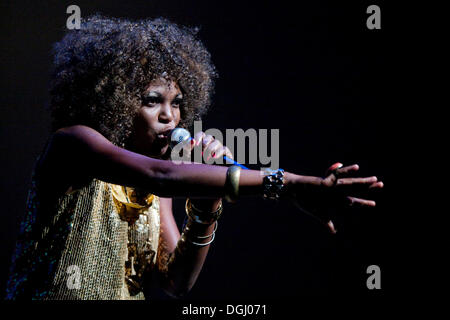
[151, 100]
[176, 103]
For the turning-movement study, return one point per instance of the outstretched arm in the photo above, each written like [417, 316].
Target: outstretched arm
[82, 151]
[79, 153]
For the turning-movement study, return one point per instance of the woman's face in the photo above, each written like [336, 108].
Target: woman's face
[158, 115]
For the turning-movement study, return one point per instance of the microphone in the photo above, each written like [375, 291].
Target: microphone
[179, 135]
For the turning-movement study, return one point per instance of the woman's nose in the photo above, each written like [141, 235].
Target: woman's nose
[166, 113]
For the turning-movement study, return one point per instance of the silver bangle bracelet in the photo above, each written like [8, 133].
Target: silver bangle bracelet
[210, 235]
[203, 244]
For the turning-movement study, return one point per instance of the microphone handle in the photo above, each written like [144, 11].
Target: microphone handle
[231, 161]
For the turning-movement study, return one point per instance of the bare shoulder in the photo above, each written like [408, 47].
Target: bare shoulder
[62, 165]
[78, 153]
[81, 135]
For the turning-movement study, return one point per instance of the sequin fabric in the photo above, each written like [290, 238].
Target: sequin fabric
[98, 242]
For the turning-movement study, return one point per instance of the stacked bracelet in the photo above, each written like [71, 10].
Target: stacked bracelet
[200, 216]
[199, 244]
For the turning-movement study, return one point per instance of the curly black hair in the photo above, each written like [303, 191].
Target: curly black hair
[102, 69]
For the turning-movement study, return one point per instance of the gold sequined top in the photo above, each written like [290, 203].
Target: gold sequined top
[97, 242]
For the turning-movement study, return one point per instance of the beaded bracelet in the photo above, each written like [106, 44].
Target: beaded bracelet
[273, 184]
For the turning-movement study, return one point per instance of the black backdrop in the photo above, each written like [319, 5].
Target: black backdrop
[312, 70]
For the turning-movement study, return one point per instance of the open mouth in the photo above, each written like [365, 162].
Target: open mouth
[164, 138]
[165, 135]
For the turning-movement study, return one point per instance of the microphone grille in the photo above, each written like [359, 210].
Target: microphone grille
[178, 135]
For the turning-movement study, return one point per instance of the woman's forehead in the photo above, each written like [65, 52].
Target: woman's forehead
[163, 85]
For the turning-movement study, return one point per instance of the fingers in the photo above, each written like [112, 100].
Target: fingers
[207, 139]
[212, 149]
[337, 170]
[352, 202]
[331, 227]
[218, 151]
[215, 151]
[352, 181]
[333, 167]
[377, 185]
[357, 202]
[347, 170]
[339, 177]
[227, 152]
[359, 186]
[200, 138]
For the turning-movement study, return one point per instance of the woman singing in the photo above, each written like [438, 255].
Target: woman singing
[99, 221]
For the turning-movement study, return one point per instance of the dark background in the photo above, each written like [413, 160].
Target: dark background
[312, 70]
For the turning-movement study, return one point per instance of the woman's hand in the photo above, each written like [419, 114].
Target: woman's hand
[211, 149]
[319, 196]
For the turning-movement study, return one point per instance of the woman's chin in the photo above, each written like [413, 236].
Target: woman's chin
[162, 153]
